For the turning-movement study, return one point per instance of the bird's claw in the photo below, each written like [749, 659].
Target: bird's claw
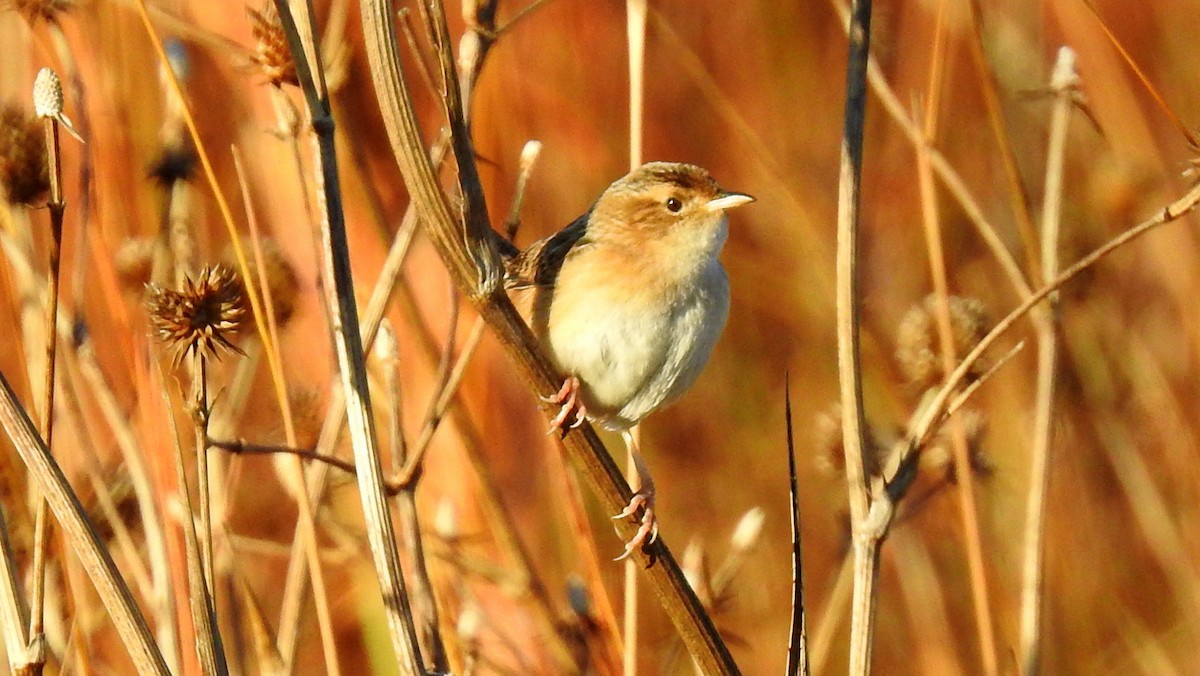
[647, 532]
[573, 412]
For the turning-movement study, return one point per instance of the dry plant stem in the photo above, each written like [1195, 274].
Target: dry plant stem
[14, 616]
[931, 220]
[865, 540]
[41, 529]
[1143, 78]
[446, 234]
[352, 361]
[900, 470]
[797, 664]
[1063, 84]
[208, 639]
[942, 167]
[306, 523]
[406, 501]
[1022, 210]
[127, 618]
[635, 29]
[156, 547]
[198, 409]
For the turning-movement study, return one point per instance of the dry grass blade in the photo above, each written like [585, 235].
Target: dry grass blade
[798, 638]
[69, 513]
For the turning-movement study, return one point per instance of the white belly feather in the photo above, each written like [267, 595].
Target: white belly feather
[633, 361]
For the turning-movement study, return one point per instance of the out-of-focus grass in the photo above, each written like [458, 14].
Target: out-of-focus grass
[754, 94]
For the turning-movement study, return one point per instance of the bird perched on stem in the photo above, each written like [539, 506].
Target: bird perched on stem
[628, 300]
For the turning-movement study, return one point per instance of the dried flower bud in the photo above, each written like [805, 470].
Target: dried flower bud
[202, 316]
[47, 10]
[134, 262]
[831, 455]
[48, 100]
[445, 521]
[917, 339]
[271, 50]
[529, 155]
[47, 94]
[24, 171]
[748, 529]
[939, 454]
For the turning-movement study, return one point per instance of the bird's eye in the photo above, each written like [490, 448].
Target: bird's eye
[674, 205]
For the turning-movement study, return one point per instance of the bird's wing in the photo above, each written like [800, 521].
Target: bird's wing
[539, 264]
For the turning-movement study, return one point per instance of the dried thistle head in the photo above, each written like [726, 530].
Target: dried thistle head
[917, 345]
[283, 284]
[202, 316]
[175, 162]
[24, 171]
[271, 51]
[47, 10]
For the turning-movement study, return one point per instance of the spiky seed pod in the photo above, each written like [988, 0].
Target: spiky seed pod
[282, 281]
[202, 316]
[271, 51]
[917, 343]
[45, 10]
[24, 171]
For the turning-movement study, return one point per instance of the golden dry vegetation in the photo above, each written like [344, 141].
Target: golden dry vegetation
[753, 91]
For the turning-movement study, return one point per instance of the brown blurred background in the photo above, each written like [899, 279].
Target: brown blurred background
[752, 91]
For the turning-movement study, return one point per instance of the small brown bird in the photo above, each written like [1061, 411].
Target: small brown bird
[629, 300]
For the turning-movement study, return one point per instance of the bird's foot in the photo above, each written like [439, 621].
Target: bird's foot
[573, 412]
[648, 525]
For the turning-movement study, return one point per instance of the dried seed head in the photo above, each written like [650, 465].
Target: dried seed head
[831, 455]
[175, 162]
[202, 316]
[24, 172]
[134, 262]
[47, 94]
[939, 454]
[917, 343]
[48, 10]
[282, 281]
[271, 51]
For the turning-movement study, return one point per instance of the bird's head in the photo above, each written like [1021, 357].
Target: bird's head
[678, 205]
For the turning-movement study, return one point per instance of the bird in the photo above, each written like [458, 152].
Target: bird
[628, 301]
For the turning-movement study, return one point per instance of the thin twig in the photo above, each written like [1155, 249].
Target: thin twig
[900, 469]
[1064, 82]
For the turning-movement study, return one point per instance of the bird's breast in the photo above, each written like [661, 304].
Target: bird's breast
[635, 340]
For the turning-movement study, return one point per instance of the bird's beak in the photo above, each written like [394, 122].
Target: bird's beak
[728, 200]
